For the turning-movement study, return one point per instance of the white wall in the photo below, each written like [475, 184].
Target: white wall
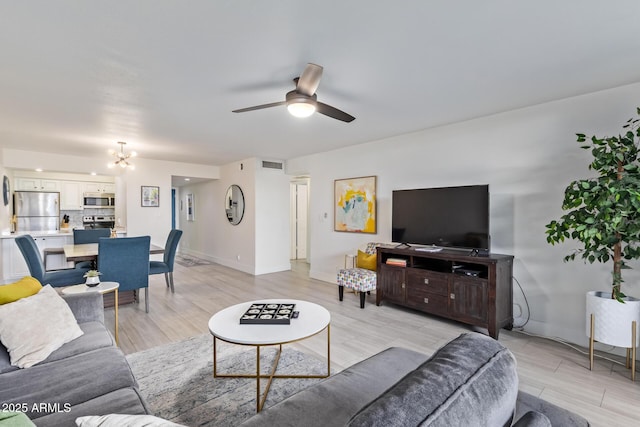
[211, 236]
[259, 244]
[527, 156]
[200, 235]
[5, 211]
[273, 235]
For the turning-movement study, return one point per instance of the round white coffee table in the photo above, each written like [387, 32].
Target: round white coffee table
[225, 325]
[103, 288]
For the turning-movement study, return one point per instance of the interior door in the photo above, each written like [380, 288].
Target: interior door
[299, 203]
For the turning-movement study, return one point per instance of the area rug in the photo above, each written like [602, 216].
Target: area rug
[189, 261]
[176, 380]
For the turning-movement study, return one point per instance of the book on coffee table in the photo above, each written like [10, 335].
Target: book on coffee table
[268, 314]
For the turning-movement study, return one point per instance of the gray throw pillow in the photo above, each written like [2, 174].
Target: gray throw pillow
[471, 379]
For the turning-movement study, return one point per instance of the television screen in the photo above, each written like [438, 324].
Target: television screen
[455, 217]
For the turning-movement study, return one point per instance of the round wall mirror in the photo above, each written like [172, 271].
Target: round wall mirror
[234, 204]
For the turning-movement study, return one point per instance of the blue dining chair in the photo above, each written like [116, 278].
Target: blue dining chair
[90, 235]
[166, 265]
[126, 261]
[31, 254]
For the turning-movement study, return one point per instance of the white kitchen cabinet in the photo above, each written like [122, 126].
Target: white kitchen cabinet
[14, 265]
[71, 195]
[54, 262]
[34, 184]
[99, 187]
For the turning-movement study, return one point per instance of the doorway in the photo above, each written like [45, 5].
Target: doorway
[299, 218]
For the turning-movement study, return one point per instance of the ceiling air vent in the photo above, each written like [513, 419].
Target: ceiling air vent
[271, 165]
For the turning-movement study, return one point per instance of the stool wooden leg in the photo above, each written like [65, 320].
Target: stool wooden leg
[362, 296]
[340, 292]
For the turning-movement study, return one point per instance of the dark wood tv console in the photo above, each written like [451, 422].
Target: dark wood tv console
[476, 290]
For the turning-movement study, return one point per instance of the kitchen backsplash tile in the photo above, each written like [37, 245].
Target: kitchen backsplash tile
[75, 218]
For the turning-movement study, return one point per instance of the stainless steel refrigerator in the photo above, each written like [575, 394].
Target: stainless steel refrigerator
[37, 211]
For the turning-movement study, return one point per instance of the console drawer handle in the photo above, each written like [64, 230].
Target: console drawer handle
[426, 281]
[426, 300]
[452, 296]
[403, 285]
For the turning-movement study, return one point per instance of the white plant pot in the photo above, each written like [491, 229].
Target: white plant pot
[93, 280]
[613, 319]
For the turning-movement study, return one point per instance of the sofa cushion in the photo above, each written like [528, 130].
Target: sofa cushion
[332, 401]
[557, 416]
[533, 419]
[32, 328]
[23, 288]
[86, 307]
[472, 377]
[68, 381]
[94, 336]
[123, 401]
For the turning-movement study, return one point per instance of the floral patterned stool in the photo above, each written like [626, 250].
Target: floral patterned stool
[360, 280]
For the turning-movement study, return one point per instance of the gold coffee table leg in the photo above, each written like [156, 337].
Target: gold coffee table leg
[258, 405]
[328, 349]
[262, 397]
[215, 360]
[271, 377]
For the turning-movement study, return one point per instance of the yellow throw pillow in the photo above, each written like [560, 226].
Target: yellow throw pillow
[366, 261]
[23, 288]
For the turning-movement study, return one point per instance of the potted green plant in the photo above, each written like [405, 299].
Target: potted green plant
[603, 214]
[93, 278]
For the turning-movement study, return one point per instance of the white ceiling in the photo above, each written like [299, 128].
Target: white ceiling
[75, 77]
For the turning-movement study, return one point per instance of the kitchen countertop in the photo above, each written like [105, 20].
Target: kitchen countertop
[57, 233]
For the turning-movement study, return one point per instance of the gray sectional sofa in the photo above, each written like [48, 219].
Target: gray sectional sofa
[87, 376]
[471, 381]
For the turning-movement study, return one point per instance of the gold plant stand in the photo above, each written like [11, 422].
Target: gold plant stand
[631, 352]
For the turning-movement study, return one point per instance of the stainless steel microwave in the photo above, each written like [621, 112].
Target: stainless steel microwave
[99, 200]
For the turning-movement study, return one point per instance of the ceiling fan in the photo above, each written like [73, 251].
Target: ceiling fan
[302, 101]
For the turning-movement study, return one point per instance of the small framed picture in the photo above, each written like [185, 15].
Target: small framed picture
[150, 196]
[191, 208]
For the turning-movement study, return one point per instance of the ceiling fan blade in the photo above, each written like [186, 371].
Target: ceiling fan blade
[259, 107]
[309, 80]
[333, 112]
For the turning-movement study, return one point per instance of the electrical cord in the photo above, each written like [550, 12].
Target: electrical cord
[526, 301]
[570, 345]
[520, 329]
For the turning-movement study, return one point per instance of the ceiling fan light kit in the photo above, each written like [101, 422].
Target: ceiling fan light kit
[302, 101]
[300, 105]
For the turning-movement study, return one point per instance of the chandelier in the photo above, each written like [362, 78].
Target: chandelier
[122, 158]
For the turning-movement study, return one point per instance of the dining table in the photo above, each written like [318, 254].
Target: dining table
[89, 251]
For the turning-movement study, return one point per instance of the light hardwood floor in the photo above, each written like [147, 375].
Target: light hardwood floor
[605, 396]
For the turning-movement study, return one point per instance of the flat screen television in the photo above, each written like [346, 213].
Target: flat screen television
[450, 217]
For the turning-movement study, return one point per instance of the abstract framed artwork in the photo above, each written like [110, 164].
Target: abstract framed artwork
[191, 209]
[150, 196]
[355, 205]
